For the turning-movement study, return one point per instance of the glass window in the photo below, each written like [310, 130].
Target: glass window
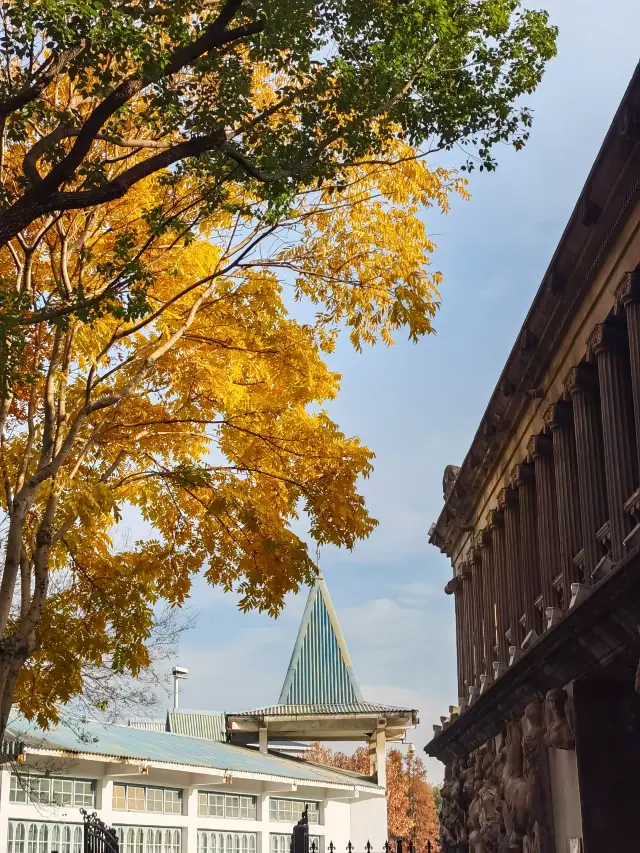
[43, 838]
[32, 843]
[62, 791]
[83, 793]
[40, 789]
[232, 806]
[247, 808]
[173, 802]
[77, 839]
[66, 839]
[290, 811]
[119, 797]
[135, 799]
[155, 800]
[17, 789]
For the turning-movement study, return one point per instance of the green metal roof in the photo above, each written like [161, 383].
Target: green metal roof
[351, 709]
[127, 742]
[320, 671]
[202, 724]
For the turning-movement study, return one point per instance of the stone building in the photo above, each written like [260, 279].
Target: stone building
[542, 526]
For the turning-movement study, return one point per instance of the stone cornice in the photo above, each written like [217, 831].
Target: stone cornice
[603, 208]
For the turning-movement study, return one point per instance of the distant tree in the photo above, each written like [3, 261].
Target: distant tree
[411, 811]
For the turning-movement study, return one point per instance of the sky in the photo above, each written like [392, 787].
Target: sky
[418, 406]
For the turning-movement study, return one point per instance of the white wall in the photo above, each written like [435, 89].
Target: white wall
[369, 823]
[340, 820]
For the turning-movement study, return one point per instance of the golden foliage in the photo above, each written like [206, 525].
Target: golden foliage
[411, 811]
[161, 366]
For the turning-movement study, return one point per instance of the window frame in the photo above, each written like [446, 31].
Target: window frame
[144, 839]
[225, 841]
[274, 814]
[146, 788]
[77, 799]
[40, 835]
[248, 801]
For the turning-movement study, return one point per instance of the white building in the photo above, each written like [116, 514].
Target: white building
[194, 783]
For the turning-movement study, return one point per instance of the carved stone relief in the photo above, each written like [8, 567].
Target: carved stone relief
[560, 730]
[498, 799]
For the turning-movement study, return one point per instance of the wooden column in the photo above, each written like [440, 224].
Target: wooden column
[559, 419]
[582, 386]
[508, 499]
[541, 452]
[523, 479]
[629, 297]
[454, 587]
[487, 579]
[476, 615]
[608, 344]
[467, 630]
[500, 570]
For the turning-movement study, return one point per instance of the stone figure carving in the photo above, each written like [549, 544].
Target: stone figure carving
[514, 789]
[560, 730]
[447, 840]
[540, 837]
[449, 479]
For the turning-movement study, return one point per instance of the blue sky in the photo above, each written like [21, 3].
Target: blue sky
[418, 406]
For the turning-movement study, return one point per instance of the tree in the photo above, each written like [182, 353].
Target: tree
[411, 810]
[184, 387]
[86, 83]
[168, 176]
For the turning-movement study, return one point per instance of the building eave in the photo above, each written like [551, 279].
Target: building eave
[601, 211]
[203, 770]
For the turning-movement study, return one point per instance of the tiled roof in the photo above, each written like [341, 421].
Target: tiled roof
[201, 724]
[350, 708]
[320, 671]
[126, 742]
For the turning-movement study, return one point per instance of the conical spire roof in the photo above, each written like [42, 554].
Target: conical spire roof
[320, 671]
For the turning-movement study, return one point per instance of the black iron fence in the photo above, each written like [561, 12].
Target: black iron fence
[300, 843]
[396, 845]
[98, 837]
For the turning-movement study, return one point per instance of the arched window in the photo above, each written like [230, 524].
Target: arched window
[43, 839]
[55, 837]
[77, 839]
[10, 839]
[32, 841]
[252, 844]
[66, 839]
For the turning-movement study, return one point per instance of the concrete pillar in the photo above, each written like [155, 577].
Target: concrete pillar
[582, 386]
[540, 451]
[559, 419]
[263, 739]
[5, 781]
[190, 804]
[104, 799]
[381, 757]
[608, 344]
